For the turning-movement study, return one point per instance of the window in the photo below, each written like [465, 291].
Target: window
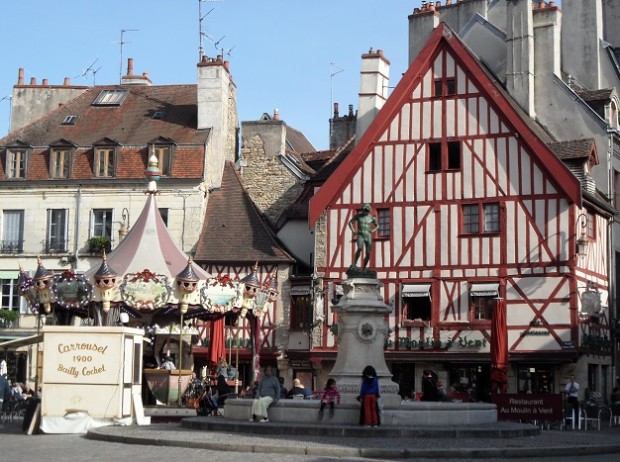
[591, 225]
[105, 162]
[69, 120]
[60, 160]
[301, 308]
[12, 231]
[111, 98]
[440, 158]
[163, 158]
[445, 87]
[472, 214]
[56, 230]
[9, 294]
[102, 223]
[383, 216]
[16, 163]
[416, 299]
[483, 298]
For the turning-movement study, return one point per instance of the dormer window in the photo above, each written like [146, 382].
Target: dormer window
[16, 163]
[163, 149]
[105, 162]
[61, 156]
[158, 115]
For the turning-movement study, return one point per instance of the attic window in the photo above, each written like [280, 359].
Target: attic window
[70, 120]
[111, 98]
[158, 115]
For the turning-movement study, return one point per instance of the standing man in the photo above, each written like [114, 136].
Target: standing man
[267, 393]
[572, 390]
[5, 390]
[367, 225]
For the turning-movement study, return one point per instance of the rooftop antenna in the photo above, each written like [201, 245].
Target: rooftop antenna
[90, 69]
[120, 74]
[10, 98]
[335, 69]
[202, 34]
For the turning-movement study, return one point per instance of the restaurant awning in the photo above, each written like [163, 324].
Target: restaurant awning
[416, 290]
[484, 290]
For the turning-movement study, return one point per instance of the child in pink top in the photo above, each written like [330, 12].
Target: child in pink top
[329, 396]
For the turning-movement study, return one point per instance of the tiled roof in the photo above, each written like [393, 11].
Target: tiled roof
[233, 230]
[603, 94]
[297, 141]
[130, 125]
[575, 149]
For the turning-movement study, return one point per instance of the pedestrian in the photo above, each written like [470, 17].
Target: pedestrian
[267, 393]
[572, 391]
[5, 390]
[298, 390]
[429, 386]
[329, 396]
[369, 397]
[283, 390]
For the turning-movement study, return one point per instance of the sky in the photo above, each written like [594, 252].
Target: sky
[297, 56]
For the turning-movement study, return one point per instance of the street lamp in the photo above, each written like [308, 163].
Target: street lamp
[583, 240]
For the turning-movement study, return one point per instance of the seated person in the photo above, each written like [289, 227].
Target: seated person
[298, 390]
[222, 389]
[208, 402]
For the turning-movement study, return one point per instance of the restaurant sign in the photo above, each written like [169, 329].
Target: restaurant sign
[528, 406]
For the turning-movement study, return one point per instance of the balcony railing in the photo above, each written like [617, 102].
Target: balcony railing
[12, 246]
[56, 246]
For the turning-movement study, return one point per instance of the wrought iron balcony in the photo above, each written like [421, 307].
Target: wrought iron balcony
[12, 246]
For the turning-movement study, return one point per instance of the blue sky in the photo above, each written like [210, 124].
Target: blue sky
[280, 51]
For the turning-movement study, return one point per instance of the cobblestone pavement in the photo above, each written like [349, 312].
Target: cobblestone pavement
[174, 443]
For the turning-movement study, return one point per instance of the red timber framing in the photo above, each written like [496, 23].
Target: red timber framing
[477, 202]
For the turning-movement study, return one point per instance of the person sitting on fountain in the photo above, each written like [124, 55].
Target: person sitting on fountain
[369, 395]
[167, 364]
[267, 393]
[329, 396]
[298, 390]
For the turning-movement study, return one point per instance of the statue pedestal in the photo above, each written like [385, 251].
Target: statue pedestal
[361, 334]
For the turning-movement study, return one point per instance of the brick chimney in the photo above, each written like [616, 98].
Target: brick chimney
[135, 80]
[520, 53]
[375, 76]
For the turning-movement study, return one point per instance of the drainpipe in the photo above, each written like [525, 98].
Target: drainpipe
[78, 207]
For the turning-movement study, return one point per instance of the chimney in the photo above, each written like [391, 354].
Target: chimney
[422, 23]
[335, 110]
[582, 31]
[276, 114]
[33, 80]
[217, 111]
[547, 35]
[20, 76]
[67, 82]
[374, 82]
[135, 80]
[520, 50]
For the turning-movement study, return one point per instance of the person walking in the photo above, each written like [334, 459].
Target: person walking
[572, 391]
[329, 396]
[369, 396]
[267, 393]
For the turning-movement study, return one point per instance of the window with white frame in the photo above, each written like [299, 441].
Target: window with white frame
[163, 152]
[9, 293]
[16, 162]
[12, 231]
[480, 218]
[57, 220]
[483, 297]
[416, 302]
[105, 162]
[102, 223]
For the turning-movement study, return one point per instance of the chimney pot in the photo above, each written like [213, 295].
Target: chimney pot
[33, 80]
[335, 110]
[67, 82]
[276, 114]
[551, 4]
[44, 82]
[20, 76]
[350, 110]
[129, 66]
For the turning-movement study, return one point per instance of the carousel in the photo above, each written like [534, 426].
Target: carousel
[148, 282]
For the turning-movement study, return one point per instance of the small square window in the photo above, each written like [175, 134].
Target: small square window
[482, 308]
[383, 216]
[450, 87]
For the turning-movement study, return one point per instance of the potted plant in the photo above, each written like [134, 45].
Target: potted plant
[8, 317]
[97, 243]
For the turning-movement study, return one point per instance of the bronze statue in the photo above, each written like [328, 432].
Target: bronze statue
[367, 225]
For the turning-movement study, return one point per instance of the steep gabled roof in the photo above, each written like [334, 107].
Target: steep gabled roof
[233, 230]
[443, 36]
[129, 123]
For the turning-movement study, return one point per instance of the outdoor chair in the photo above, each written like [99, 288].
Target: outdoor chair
[571, 417]
[591, 414]
[614, 414]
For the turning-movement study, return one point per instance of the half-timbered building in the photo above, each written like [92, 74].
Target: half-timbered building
[477, 212]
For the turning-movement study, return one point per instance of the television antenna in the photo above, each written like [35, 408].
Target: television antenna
[122, 42]
[334, 70]
[10, 99]
[90, 69]
[202, 34]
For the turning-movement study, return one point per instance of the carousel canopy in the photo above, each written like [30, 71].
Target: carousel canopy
[148, 245]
